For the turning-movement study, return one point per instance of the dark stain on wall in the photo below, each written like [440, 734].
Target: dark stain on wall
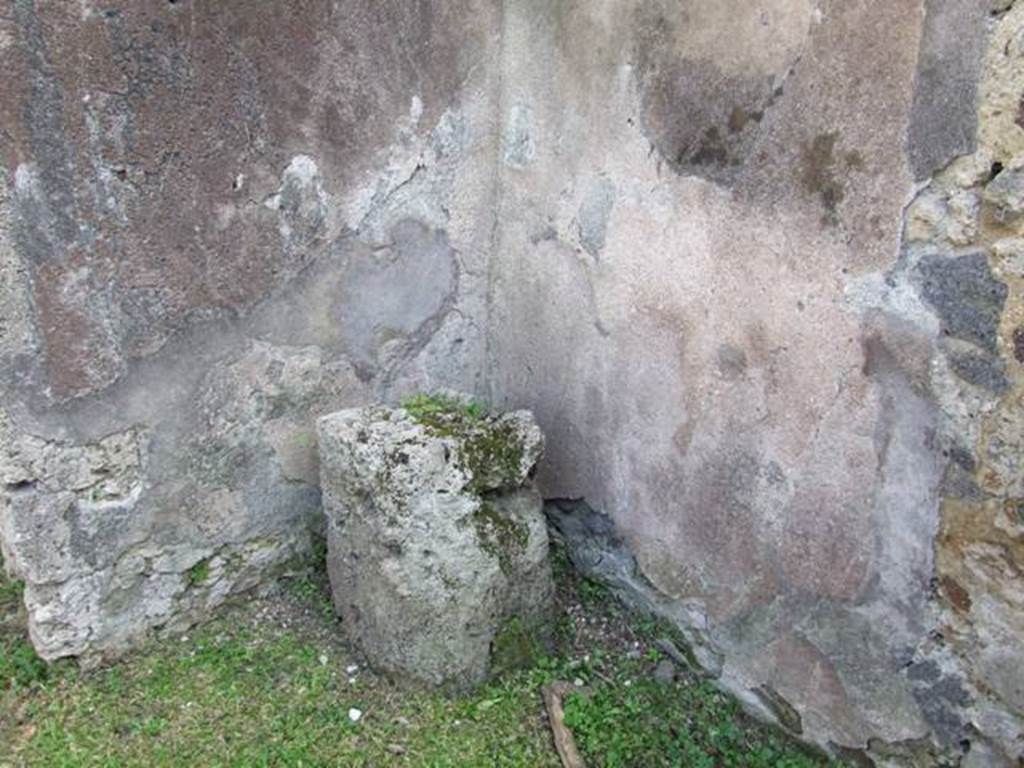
[701, 121]
[822, 169]
[944, 117]
[818, 173]
[1018, 344]
[958, 597]
[146, 136]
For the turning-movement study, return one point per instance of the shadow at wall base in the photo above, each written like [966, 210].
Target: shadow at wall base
[600, 553]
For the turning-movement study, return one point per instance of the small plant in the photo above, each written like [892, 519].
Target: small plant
[313, 590]
[489, 449]
[647, 627]
[643, 722]
[20, 667]
[516, 646]
[199, 573]
[11, 591]
[429, 409]
[593, 594]
[320, 553]
[310, 583]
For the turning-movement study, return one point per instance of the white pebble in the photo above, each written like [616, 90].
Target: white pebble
[354, 714]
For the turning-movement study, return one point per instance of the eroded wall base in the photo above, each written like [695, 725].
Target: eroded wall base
[219, 221]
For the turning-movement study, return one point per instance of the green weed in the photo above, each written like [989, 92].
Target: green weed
[637, 721]
[429, 408]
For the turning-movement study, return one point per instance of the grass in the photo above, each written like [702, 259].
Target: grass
[20, 668]
[272, 684]
[690, 725]
[237, 698]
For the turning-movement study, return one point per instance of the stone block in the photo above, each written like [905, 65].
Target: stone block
[436, 539]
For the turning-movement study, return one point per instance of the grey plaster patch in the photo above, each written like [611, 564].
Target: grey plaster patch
[967, 296]
[391, 294]
[909, 470]
[982, 370]
[301, 203]
[944, 117]
[518, 144]
[17, 334]
[941, 697]
[592, 219]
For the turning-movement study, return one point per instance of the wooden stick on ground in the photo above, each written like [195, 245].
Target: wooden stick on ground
[564, 742]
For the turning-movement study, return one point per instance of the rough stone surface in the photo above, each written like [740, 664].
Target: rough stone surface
[219, 221]
[756, 267]
[1005, 193]
[665, 672]
[968, 298]
[599, 552]
[437, 545]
